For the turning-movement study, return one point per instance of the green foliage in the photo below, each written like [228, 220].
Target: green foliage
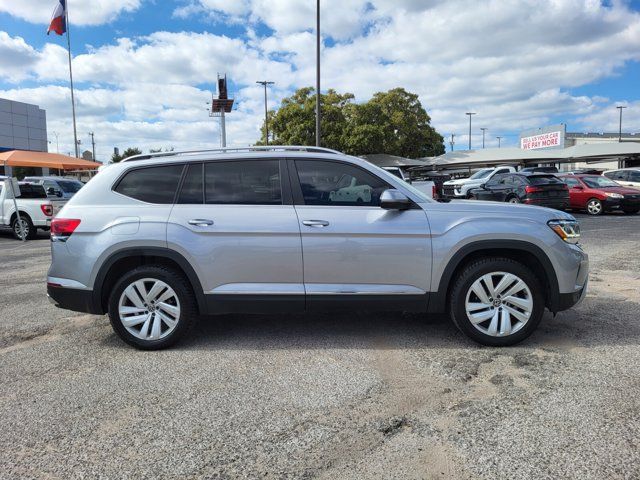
[129, 152]
[392, 122]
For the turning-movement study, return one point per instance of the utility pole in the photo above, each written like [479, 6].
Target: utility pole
[484, 129]
[266, 123]
[93, 145]
[498, 141]
[317, 73]
[57, 143]
[620, 107]
[470, 113]
[451, 142]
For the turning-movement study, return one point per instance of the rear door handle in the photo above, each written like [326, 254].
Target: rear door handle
[200, 222]
[315, 223]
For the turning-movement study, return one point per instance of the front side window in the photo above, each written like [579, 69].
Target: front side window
[243, 182]
[634, 176]
[495, 181]
[151, 184]
[333, 183]
[616, 175]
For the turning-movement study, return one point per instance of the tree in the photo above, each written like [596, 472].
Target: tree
[129, 152]
[392, 122]
[294, 122]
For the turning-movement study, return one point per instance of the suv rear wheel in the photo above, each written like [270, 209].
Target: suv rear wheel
[152, 307]
[496, 301]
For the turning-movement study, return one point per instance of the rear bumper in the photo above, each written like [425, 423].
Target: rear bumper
[561, 204]
[73, 299]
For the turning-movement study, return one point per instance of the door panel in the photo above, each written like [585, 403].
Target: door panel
[359, 250]
[240, 250]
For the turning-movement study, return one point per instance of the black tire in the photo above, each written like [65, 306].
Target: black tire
[27, 224]
[631, 211]
[472, 197]
[513, 199]
[595, 211]
[472, 272]
[182, 288]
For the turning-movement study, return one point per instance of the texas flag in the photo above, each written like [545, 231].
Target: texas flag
[59, 18]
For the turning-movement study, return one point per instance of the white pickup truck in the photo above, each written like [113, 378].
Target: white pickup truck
[461, 188]
[36, 209]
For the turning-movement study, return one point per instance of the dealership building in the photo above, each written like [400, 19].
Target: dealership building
[22, 126]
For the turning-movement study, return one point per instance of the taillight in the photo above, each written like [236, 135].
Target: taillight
[63, 227]
[434, 192]
[47, 209]
[529, 189]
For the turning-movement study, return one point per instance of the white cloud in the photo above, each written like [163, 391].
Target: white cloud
[81, 12]
[514, 63]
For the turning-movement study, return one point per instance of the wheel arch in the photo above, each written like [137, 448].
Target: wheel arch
[22, 215]
[527, 253]
[123, 260]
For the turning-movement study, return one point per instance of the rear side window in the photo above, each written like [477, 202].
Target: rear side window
[193, 185]
[544, 180]
[152, 184]
[243, 182]
[634, 176]
[32, 191]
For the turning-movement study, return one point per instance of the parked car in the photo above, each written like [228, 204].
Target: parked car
[627, 177]
[547, 169]
[35, 208]
[534, 189]
[421, 174]
[462, 188]
[61, 187]
[597, 194]
[256, 230]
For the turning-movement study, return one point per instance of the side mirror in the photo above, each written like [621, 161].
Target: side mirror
[579, 187]
[59, 193]
[393, 199]
[51, 191]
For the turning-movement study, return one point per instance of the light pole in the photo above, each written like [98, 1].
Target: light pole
[470, 113]
[620, 107]
[93, 145]
[266, 123]
[484, 129]
[57, 143]
[452, 143]
[317, 73]
[499, 141]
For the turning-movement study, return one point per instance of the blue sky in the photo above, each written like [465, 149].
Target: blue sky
[145, 68]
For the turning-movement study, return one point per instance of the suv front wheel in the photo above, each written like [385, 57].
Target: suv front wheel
[152, 307]
[496, 301]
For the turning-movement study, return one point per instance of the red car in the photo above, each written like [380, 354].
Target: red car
[597, 194]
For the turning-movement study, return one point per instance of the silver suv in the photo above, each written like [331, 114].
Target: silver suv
[156, 240]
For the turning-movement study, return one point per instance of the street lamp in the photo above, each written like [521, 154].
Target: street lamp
[470, 113]
[266, 123]
[317, 73]
[620, 107]
[498, 141]
[484, 129]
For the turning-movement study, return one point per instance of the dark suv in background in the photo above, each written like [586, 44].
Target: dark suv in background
[544, 190]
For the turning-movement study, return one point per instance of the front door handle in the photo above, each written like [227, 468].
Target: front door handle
[315, 223]
[200, 222]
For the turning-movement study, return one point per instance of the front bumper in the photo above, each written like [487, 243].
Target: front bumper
[568, 300]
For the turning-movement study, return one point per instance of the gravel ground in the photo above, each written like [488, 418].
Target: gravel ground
[335, 396]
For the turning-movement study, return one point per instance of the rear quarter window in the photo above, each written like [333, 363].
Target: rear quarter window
[151, 184]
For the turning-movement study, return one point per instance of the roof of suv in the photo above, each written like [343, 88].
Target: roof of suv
[271, 151]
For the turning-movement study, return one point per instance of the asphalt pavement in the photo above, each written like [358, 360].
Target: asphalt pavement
[347, 395]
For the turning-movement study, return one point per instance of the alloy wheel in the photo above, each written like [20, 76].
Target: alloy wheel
[499, 304]
[594, 207]
[149, 309]
[25, 228]
[514, 200]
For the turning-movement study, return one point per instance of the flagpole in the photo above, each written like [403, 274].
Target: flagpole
[73, 102]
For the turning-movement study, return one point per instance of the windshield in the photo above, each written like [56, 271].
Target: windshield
[482, 173]
[599, 182]
[70, 186]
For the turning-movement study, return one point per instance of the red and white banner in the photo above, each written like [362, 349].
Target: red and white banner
[543, 140]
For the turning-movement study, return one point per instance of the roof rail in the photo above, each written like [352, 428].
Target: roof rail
[273, 148]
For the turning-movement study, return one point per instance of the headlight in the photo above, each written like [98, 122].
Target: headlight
[567, 230]
[614, 195]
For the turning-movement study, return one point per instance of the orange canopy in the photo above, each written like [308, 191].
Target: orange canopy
[23, 158]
